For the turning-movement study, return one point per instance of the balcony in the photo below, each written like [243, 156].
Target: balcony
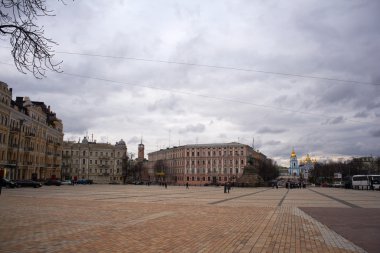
[28, 149]
[49, 153]
[15, 129]
[30, 135]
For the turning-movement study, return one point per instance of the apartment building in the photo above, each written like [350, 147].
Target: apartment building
[31, 138]
[201, 164]
[100, 162]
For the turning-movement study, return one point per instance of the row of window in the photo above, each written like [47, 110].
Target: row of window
[83, 171]
[220, 179]
[203, 162]
[224, 153]
[100, 162]
[84, 153]
[201, 152]
[214, 170]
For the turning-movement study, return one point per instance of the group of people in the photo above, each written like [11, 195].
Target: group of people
[227, 187]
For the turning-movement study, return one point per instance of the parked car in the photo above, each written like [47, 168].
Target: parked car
[66, 182]
[8, 183]
[85, 181]
[338, 184]
[28, 183]
[53, 182]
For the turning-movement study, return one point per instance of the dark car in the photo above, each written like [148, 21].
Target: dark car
[85, 181]
[28, 183]
[53, 182]
[8, 183]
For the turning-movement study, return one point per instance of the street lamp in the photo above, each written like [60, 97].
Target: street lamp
[18, 150]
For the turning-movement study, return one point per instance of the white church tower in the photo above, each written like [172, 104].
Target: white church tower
[294, 169]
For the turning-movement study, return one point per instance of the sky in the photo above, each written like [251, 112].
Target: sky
[276, 74]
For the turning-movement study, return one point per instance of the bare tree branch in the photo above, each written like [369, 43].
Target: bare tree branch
[31, 50]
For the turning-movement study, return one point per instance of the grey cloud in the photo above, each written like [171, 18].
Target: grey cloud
[134, 140]
[165, 104]
[266, 130]
[333, 121]
[272, 143]
[376, 133]
[198, 128]
[315, 39]
[373, 105]
[361, 115]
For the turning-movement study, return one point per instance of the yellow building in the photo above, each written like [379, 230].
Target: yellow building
[31, 138]
[100, 162]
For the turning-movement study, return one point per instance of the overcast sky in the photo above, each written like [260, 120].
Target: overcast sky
[136, 93]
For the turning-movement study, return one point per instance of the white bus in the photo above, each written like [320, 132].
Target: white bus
[365, 182]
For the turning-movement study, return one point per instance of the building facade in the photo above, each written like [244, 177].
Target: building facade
[100, 162]
[31, 138]
[200, 164]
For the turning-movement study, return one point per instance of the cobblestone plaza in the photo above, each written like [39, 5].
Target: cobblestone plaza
[129, 218]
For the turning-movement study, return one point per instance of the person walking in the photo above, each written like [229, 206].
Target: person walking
[225, 188]
[228, 187]
[187, 185]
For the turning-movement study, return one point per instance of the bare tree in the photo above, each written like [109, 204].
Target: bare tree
[31, 50]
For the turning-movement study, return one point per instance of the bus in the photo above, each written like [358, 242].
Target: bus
[366, 182]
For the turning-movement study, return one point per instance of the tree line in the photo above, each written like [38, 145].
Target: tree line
[356, 166]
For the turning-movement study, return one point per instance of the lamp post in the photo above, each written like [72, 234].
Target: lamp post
[18, 150]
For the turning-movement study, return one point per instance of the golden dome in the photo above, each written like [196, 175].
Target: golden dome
[293, 154]
[307, 159]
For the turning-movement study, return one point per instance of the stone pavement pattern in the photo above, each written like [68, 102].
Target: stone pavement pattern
[112, 218]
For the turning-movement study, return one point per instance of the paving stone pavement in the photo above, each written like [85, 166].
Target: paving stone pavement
[128, 218]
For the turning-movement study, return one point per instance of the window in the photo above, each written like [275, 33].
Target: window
[84, 161]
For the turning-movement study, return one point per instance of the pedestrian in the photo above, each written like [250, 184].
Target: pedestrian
[166, 185]
[187, 185]
[276, 183]
[225, 188]
[228, 187]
